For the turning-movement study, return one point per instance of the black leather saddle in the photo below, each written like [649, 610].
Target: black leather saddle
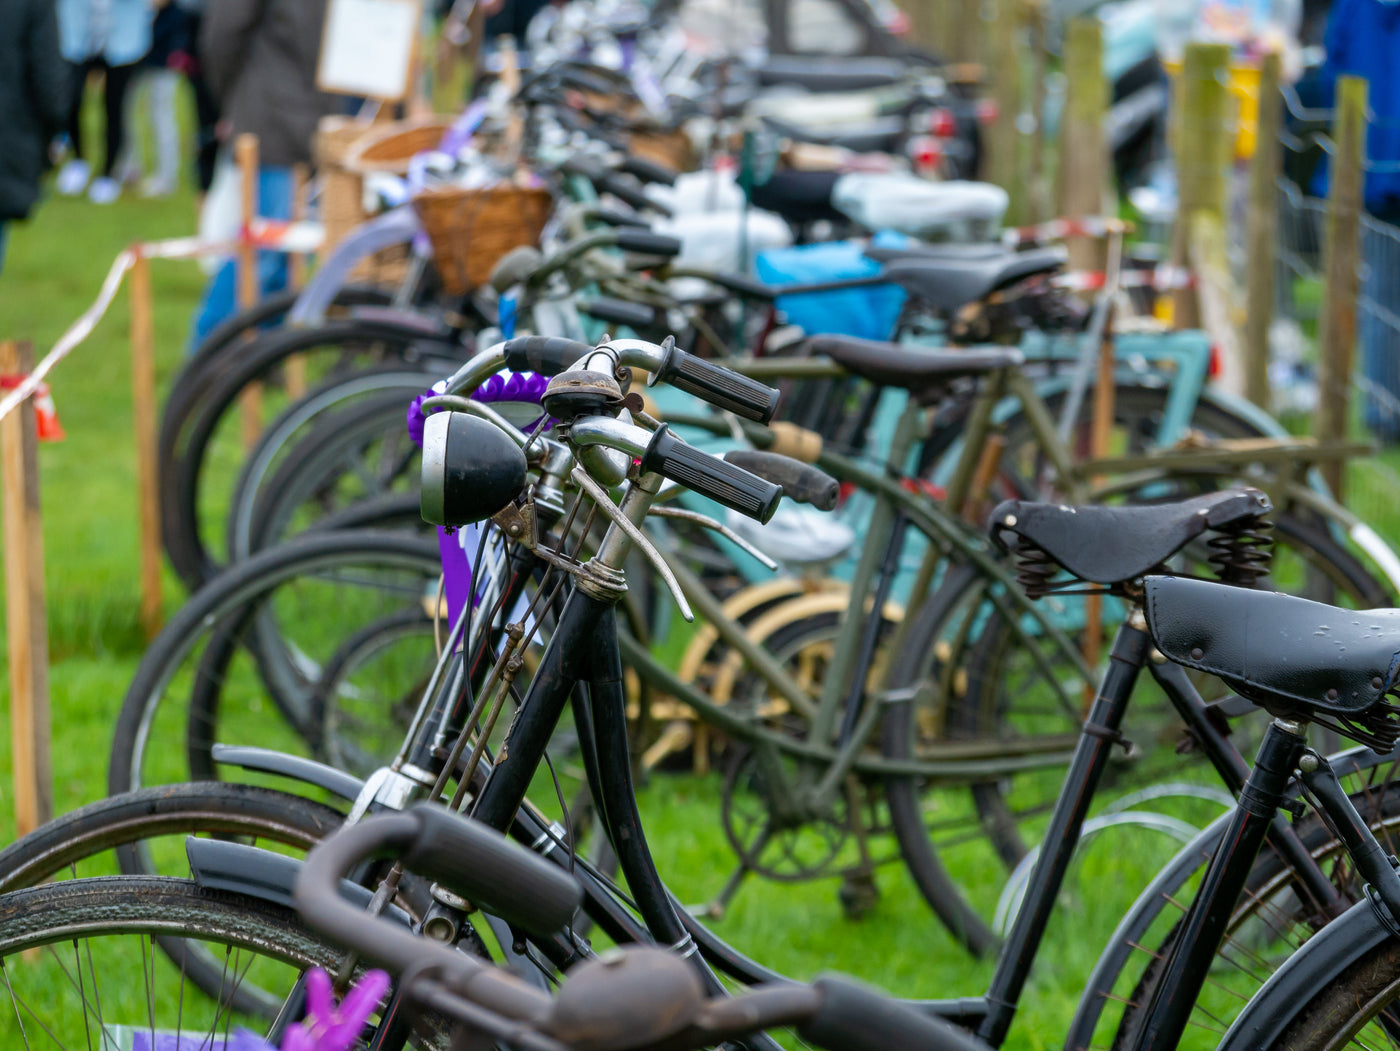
[1113, 545]
[1290, 655]
[947, 283]
[923, 371]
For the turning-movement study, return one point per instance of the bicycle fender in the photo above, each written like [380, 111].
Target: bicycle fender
[280, 764]
[219, 865]
[1358, 931]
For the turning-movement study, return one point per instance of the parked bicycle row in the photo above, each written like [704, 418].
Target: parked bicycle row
[491, 570]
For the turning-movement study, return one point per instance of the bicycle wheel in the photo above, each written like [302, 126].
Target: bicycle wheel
[1274, 916]
[242, 659]
[202, 445]
[359, 452]
[94, 967]
[147, 829]
[1354, 1008]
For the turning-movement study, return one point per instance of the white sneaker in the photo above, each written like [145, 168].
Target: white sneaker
[155, 186]
[104, 190]
[73, 177]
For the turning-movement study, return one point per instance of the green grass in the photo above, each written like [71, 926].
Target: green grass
[54, 268]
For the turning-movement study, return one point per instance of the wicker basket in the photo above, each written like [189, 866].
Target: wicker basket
[347, 149]
[471, 229]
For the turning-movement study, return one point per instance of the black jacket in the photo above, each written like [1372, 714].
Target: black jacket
[33, 100]
[260, 58]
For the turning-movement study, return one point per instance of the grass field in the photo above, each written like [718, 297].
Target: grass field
[55, 266]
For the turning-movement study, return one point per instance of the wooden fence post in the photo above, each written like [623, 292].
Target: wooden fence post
[1004, 70]
[1261, 233]
[26, 613]
[1037, 209]
[1341, 266]
[296, 275]
[1083, 151]
[245, 153]
[144, 411]
[1203, 145]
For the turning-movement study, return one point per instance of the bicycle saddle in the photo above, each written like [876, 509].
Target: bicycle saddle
[948, 283]
[1113, 545]
[1293, 656]
[848, 74]
[879, 135]
[923, 371]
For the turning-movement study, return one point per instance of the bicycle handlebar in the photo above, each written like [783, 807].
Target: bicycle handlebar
[604, 1003]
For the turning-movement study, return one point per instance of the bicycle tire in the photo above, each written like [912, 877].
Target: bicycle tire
[1268, 881]
[123, 822]
[265, 502]
[224, 596]
[149, 906]
[184, 461]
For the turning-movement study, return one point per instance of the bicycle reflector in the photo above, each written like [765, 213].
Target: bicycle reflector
[471, 469]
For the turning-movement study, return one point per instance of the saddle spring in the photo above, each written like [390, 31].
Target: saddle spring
[1034, 569]
[1240, 553]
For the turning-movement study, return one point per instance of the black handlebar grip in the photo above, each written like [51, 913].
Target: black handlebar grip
[625, 189]
[854, 1018]
[547, 355]
[644, 242]
[480, 864]
[800, 481]
[616, 217]
[710, 476]
[721, 387]
[619, 312]
[648, 171]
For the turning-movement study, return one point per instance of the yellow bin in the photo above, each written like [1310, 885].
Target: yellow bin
[1244, 89]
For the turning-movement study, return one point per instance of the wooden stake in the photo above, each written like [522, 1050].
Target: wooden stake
[296, 275]
[144, 411]
[1341, 264]
[1037, 191]
[1204, 145]
[1083, 150]
[1000, 157]
[1261, 233]
[26, 613]
[245, 153]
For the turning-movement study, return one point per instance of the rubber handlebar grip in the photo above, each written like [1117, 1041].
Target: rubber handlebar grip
[718, 386]
[648, 171]
[708, 475]
[800, 481]
[854, 1018]
[480, 864]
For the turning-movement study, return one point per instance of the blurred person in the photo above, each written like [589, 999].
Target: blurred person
[157, 85]
[108, 37]
[259, 58]
[1363, 39]
[33, 104]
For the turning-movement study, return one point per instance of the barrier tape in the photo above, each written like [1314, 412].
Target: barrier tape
[1059, 229]
[1158, 278]
[45, 414]
[298, 237]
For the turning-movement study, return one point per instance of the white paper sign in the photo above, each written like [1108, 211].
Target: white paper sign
[367, 48]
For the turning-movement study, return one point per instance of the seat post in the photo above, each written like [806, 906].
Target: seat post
[1131, 647]
[1204, 927]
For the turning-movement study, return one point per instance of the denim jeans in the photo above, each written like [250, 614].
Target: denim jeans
[221, 295]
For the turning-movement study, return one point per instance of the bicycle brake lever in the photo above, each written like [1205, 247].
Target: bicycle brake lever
[718, 526]
[648, 549]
